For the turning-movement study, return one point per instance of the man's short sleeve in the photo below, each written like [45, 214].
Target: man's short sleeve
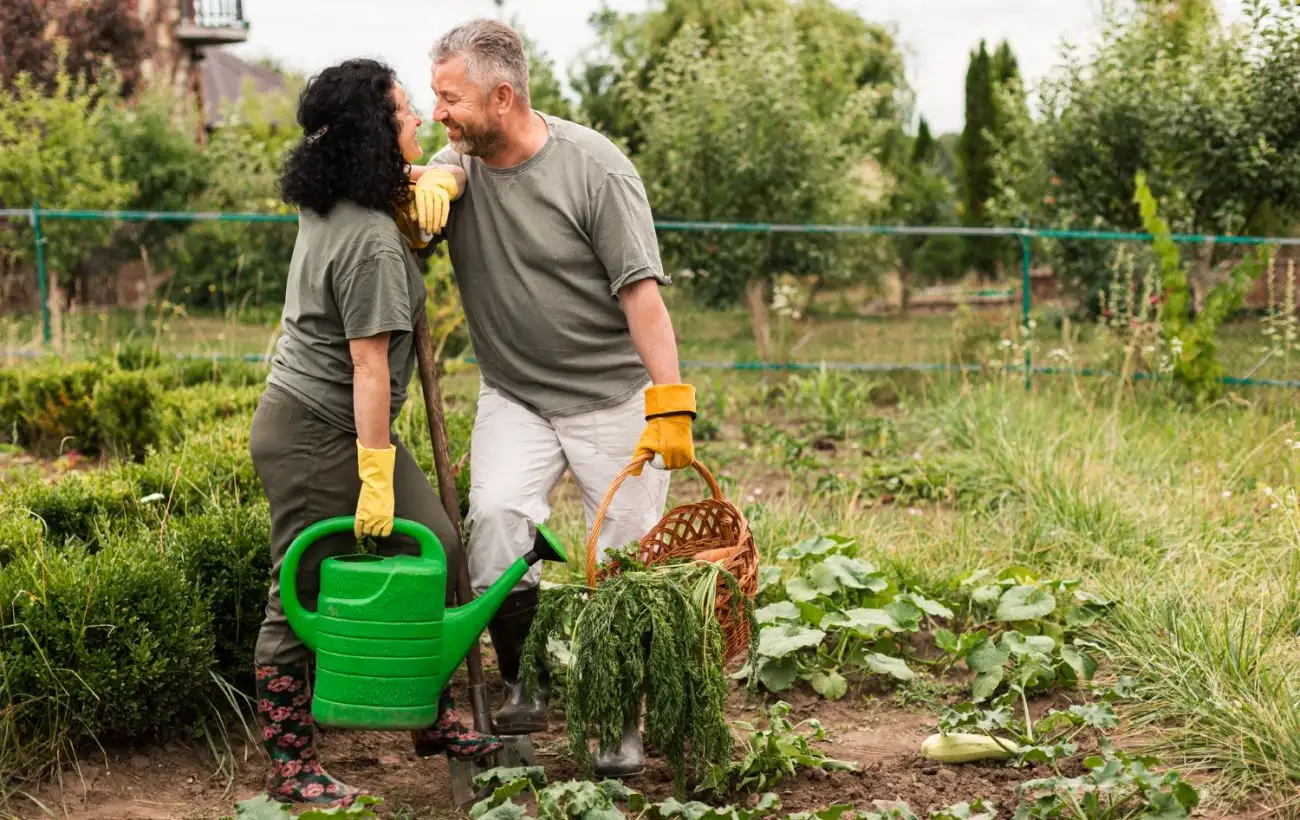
[623, 233]
[446, 156]
[372, 296]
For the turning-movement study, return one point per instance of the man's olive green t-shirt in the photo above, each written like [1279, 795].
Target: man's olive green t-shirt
[351, 276]
[540, 251]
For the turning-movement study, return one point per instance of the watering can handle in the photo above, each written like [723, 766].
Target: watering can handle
[303, 621]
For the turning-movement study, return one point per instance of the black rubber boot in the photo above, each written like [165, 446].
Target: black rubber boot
[520, 715]
[628, 758]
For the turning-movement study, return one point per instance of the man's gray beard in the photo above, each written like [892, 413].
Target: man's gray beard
[479, 145]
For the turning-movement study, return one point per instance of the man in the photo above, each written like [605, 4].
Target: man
[558, 265]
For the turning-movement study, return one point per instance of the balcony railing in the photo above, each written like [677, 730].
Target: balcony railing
[211, 22]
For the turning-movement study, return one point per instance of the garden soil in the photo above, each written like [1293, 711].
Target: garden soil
[186, 782]
[180, 782]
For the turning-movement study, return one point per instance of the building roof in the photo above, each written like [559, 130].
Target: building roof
[223, 76]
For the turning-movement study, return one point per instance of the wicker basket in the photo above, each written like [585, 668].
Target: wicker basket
[709, 530]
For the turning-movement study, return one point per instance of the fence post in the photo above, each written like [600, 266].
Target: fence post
[1026, 296]
[41, 275]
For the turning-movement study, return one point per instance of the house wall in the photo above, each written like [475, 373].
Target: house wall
[169, 62]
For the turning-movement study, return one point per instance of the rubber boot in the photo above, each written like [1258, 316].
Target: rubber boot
[289, 735]
[449, 736]
[628, 758]
[520, 715]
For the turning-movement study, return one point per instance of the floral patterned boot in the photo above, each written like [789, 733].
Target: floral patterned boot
[447, 735]
[289, 734]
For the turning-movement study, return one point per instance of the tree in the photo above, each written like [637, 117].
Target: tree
[731, 133]
[1210, 116]
[923, 196]
[54, 147]
[840, 53]
[95, 31]
[993, 99]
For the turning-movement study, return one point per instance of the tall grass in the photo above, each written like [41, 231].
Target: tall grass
[1190, 521]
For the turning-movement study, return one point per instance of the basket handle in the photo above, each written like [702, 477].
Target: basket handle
[609, 499]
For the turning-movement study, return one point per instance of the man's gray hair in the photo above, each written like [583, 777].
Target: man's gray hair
[493, 53]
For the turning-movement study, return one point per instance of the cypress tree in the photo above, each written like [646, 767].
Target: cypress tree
[923, 146]
[976, 153]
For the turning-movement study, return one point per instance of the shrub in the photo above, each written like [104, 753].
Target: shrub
[84, 407]
[183, 411]
[127, 417]
[50, 405]
[227, 557]
[230, 372]
[211, 468]
[110, 646]
[19, 534]
[77, 507]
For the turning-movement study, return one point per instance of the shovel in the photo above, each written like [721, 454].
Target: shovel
[517, 750]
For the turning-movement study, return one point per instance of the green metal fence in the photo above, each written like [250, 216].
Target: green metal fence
[37, 216]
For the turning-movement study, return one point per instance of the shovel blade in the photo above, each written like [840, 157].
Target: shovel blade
[516, 750]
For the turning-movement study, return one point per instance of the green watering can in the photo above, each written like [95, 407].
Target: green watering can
[385, 643]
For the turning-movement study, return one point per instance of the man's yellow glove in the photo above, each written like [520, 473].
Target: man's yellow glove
[669, 411]
[375, 504]
[433, 194]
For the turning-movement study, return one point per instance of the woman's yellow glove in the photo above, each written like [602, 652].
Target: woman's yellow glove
[433, 194]
[375, 504]
[669, 411]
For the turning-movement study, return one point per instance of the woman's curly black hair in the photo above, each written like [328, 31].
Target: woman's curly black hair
[349, 148]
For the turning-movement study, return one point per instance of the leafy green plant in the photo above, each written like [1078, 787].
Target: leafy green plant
[83, 407]
[772, 754]
[839, 614]
[587, 800]
[263, 807]
[1022, 631]
[224, 552]
[1194, 341]
[1116, 786]
[1044, 740]
[55, 147]
[977, 809]
[907, 481]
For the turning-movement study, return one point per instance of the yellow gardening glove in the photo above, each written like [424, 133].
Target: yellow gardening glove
[669, 411]
[433, 194]
[375, 504]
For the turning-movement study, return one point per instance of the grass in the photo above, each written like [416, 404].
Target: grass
[1188, 518]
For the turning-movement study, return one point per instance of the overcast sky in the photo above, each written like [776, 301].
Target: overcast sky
[937, 35]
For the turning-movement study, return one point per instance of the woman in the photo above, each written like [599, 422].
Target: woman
[321, 437]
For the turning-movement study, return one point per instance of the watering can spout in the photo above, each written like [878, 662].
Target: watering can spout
[463, 624]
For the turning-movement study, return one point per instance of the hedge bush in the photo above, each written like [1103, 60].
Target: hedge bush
[120, 406]
[226, 555]
[51, 409]
[107, 646]
[184, 411]
[126, 591]
[212, 468]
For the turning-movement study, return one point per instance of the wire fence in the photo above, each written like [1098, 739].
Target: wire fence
[1254, 349]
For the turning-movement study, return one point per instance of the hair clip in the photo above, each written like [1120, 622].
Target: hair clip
[320, 132]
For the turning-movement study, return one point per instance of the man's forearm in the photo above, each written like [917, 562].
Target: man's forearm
[652, 331]
[456, 171]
